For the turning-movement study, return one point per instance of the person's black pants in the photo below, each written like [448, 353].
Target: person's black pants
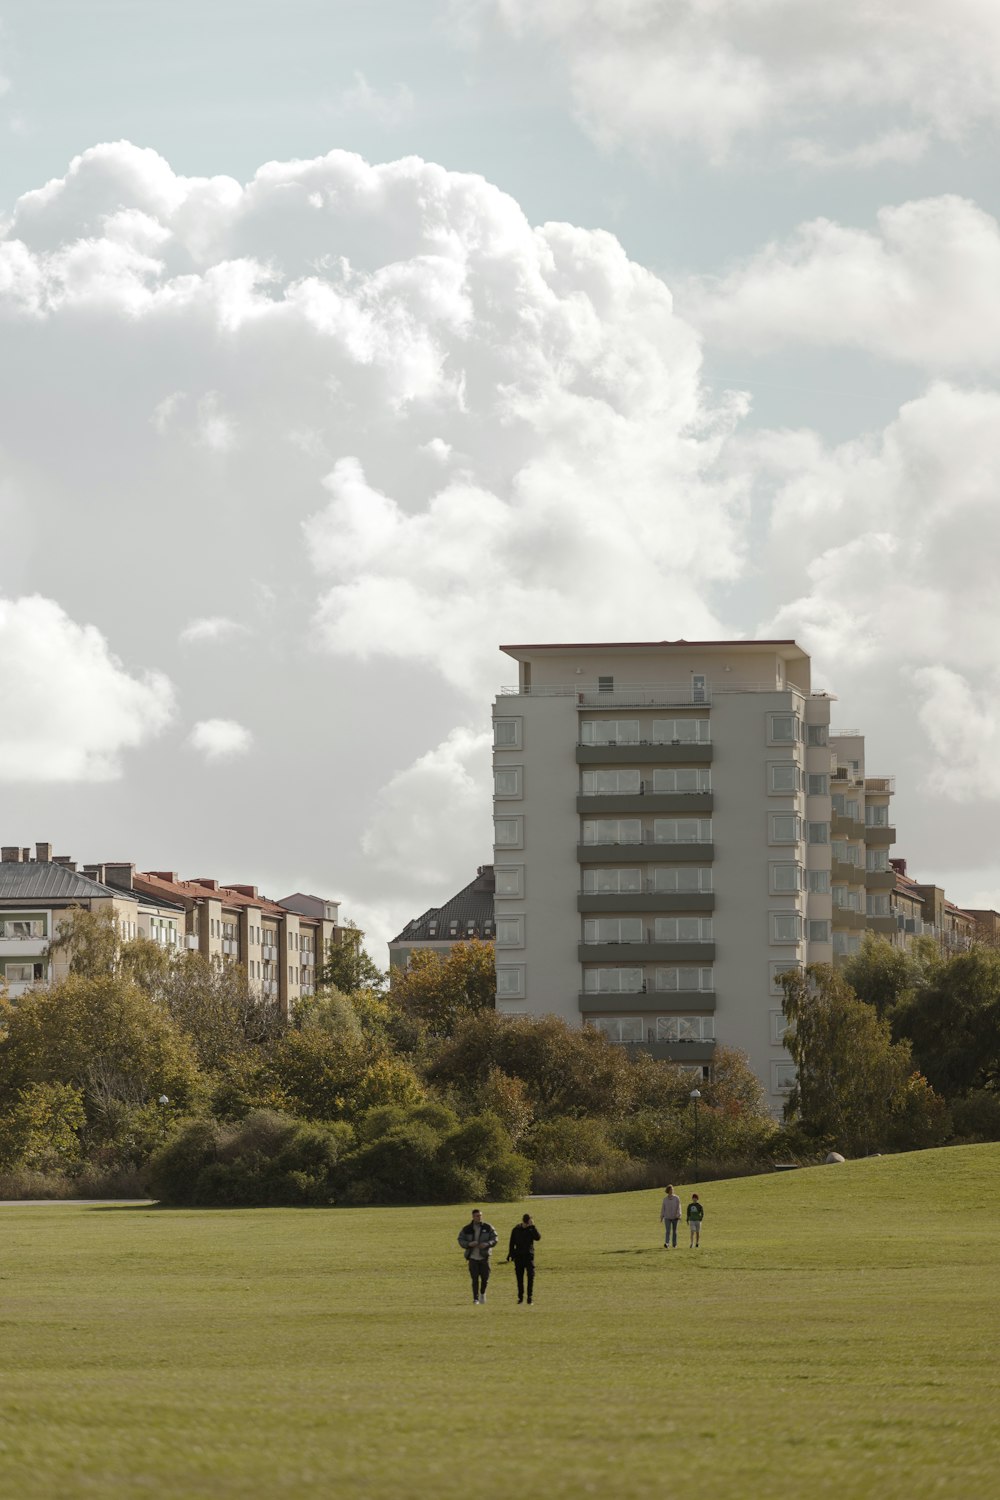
[520, 1267]
[479, 1270]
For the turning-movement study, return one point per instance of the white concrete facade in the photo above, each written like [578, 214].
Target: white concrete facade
[663, 842]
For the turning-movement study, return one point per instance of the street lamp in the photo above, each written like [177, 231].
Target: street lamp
[694, 1096]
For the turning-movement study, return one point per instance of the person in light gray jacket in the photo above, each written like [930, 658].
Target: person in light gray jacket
[670, 1216]
[477, 1240]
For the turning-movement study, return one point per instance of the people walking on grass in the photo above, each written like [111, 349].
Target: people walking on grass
[670, 1216]
[695, 1214]
[477, 1240]
[521, 1251]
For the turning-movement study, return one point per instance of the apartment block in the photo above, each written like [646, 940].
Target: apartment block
[281, 944]
[466, 917]
[665, 842]
[923, 910]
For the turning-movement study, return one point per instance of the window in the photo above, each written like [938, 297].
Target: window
[877, 861]
[786, 927]
[687, 879]
[699, 688]
[846, 943]
[510, 981]
[507, 734]
[685, 1028]
[612, 882]
[785, 828]
[681, 732]
[682, 830]
[612, 981]
[507, 781]
[818, 785]
[508, 832]
[620, 1028]
[846, 898]
[819, 882]
[23, 973]
[783, 776]
[614, 930]
[818, 930]
[878, 904]
[611, 783]
[876, 816]
[782, 966]
[509, 880]
[510, 932]
[682, 780]
[20, 928]
[818, 833]
[786, 878]
[853, 811]
[816, 734]
[683, 929]
[605, 684]
[612, 831]
[782, 1077]
[783, 729]
[684, 978]
[846, 853]
[779, 1026]
[609, 732]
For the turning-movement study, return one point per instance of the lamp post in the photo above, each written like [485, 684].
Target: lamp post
[694, 1096]
[163, 1102]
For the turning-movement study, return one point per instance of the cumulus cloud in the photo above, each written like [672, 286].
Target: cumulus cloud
[711, 76]
[924, 287]
[220, 739]
[72, 708]
[211, 628]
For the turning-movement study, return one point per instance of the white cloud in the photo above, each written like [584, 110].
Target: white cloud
[387, 107]
[220, 739]
[211, 628]
[924, 288]
[712, 76]
[71, 707]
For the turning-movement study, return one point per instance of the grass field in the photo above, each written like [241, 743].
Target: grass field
[836, 1335]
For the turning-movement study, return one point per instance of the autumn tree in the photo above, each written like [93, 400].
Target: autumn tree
[348, 966]
[440, 989]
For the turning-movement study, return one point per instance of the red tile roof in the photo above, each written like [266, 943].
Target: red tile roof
[152, 883]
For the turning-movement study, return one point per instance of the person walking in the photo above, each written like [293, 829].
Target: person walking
[670, 1216]
[695, 1214]
[521, 1251]
[477, 1240]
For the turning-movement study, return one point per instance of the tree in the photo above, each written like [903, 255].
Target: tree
[216, 1006]
[853, 1082]
[349, 967]
[882, 974]
[92, 939]
[441, 989]
[953, 1022]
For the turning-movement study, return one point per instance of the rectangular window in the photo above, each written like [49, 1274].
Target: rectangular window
[786, 877]
[507, 734]
[609, 732]
[783, 776]
[786, 927]
[508, 832]
[681, 732]
[682, 830]
[682, 780]
[509, 880]
[510, 932]
[612, 882]
[507, 781]
[816, 734]
[818, 833]
[611, 783]
[818, 930]
[685, 978]
[846, 898]
[819, 882]
[877, 861]
[846, 853]
[20, 928]
[818, 785]
[22, 973]
[605, 684]
[686, 879]
[783, 729]
[614, 930]
[780, 966]
[612, 981]
[620, 1029]
[877, 904]
[785, 828]
[510, 981]
[782, 1077]
[683, 929]
[876, 816]
[612, 831]
[779, 1026]
[685, 1028]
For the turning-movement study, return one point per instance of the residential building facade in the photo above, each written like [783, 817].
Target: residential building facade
[466, 917]
[923, 910]
[664, 842]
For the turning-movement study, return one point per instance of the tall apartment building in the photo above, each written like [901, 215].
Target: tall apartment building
[281, 944]
[664, 842]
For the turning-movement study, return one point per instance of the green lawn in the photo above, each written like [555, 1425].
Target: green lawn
[836, 1335]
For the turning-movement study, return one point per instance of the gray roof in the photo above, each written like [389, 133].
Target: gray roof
[40, 881]
[470, 912]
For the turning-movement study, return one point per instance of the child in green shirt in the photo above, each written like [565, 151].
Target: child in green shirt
[695, 1214]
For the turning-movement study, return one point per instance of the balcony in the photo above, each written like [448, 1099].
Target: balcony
[633, 753]
[844, 827]
[880, 880]
[880, 785]
[191, 942]
[674, 1051]
[649, 951]
[847, 920]
[887, 926]
[646, 1002]
[647, 900]
[588, 694]
[880, 838]
[622, 803]
[27, 947]
[848, 874]
[645, 853]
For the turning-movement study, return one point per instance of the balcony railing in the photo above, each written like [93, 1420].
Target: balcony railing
[643, 694]
[876, 784]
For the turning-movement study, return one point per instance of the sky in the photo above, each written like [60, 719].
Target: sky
[341, 340]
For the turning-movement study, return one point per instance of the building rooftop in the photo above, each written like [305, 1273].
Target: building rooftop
[41, 880]
[165, 883]
[470, 912]
[791, 646]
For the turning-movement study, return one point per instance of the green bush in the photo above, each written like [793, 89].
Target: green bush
[976, 1117]
[265, 1160]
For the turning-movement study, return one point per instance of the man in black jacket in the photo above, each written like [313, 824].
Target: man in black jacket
[522, 1252]
[477, 1240]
